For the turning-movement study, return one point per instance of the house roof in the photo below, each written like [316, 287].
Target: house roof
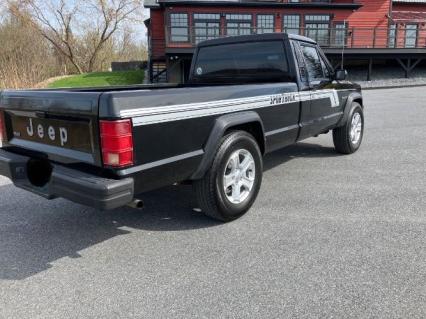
[252, 3]
[410, 1]
[150, 4]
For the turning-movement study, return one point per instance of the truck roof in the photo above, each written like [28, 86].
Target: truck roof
[255, 37]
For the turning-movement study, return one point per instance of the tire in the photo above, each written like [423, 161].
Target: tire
[213, 199]
[345, 140]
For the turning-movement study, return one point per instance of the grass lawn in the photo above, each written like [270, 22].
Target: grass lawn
[99, 79]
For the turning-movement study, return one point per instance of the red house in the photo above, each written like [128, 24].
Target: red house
[366, 28]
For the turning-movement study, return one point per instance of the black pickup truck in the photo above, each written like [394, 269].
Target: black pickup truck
[246, 96]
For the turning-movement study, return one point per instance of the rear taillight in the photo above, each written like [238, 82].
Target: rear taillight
[2, 129]
[117, 143]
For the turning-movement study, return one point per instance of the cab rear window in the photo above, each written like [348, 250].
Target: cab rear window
[242, 63]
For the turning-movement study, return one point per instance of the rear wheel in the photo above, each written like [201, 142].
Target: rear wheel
[232, 183]
[347, 139]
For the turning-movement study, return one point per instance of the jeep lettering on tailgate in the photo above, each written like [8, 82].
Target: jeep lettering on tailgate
[73, 135]
[51, 132]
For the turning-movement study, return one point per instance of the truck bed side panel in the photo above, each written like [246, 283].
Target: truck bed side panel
[171, 127]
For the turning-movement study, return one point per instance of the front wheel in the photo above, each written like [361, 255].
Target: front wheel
[232, 183]
[347, 139]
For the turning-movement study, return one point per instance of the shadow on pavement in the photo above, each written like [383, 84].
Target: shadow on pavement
[35, 232]
[299, 150]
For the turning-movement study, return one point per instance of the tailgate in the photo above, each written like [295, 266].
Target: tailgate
[62, 125]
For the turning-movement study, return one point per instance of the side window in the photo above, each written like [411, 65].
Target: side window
[313, 63]
[325, 68]
[300, 62]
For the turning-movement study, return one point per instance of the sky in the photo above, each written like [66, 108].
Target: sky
[142, 30]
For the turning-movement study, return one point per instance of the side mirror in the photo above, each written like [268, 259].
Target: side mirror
[341, 75]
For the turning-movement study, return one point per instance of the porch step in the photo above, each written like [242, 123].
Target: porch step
[159, 72]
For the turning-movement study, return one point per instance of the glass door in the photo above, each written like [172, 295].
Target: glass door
[411, 35]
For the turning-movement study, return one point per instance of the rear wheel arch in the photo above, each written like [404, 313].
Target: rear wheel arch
[249, 122]
[253, 128]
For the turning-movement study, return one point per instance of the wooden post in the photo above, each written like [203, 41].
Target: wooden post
[408, 69]
[374, 37]
[370, 69]
[415, 64]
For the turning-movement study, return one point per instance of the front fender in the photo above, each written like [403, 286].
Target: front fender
[354, 96]
[221, 125]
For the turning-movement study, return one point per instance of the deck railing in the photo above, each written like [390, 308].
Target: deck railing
[352, 37]
[313, 1]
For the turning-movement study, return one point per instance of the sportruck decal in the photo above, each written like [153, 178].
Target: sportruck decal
[326, 94]
[160, 114]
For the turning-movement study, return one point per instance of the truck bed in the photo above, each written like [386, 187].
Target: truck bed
[161, 116]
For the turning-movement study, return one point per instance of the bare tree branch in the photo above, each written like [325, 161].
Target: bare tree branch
[70, 27]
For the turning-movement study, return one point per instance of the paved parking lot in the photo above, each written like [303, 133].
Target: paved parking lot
[329, 236]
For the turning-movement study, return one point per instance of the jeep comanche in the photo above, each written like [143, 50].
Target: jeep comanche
[246, 96]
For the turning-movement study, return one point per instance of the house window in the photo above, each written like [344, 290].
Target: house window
[291, 23]
[179, 27]
[340, 34]
[265, 23]
[325, 18]
[317, 27]
[410, 35]
[238, 24]
[392, 36]
[206, 26]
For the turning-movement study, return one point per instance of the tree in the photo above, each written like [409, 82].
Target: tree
[78, 30]
[23, 65]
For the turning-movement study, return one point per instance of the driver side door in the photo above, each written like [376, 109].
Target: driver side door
[324, 98]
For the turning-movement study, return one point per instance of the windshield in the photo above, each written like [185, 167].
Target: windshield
[242, 63]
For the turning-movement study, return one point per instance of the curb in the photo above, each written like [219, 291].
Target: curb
[391, 87]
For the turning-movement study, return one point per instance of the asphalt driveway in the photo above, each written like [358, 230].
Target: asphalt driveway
[329, 236]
